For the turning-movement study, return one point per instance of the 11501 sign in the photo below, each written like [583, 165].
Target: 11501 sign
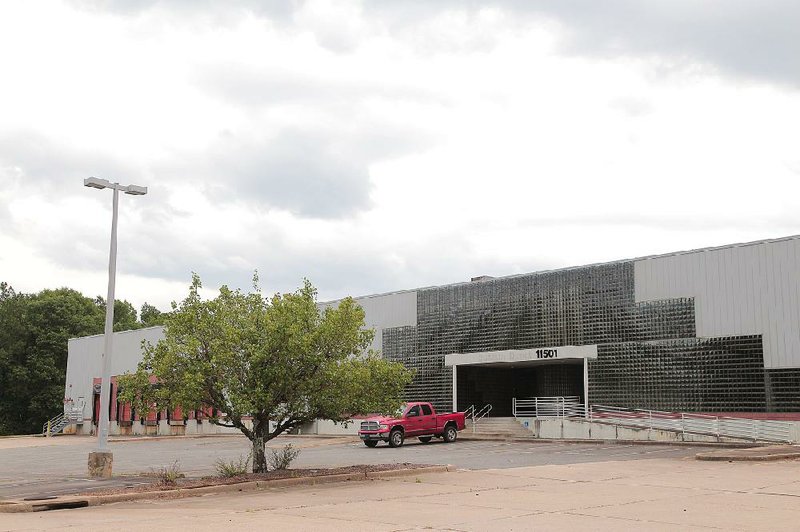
[547, 353]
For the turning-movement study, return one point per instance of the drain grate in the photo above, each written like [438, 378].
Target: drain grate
[60, 505]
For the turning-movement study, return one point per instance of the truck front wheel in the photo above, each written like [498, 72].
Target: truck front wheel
[370, 443]
[450, 434]
[396, 438]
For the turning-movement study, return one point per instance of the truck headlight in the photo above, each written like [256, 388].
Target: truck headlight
[384, 426]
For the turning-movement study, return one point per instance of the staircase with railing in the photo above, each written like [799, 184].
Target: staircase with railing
[480, 425]
[474, 414]
[55, 425]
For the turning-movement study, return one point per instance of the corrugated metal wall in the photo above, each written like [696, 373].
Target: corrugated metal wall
[398, 309]
[743, 290]
[84, 360]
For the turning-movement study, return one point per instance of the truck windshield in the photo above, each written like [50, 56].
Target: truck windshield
[400, 411]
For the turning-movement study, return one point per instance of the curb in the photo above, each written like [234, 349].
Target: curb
[69, 502]
[745, 458]
[755, 456]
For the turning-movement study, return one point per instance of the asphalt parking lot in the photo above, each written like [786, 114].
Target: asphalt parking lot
[35, 467]
[635, 494]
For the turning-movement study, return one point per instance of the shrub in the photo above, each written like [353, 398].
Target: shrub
[168, 475]
[232, 468]
[283, 457]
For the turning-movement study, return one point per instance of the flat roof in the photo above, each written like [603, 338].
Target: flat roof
[118, 332]
[568, 268]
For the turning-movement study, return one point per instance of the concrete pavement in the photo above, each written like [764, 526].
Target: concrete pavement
[651, 494]
[60, 468]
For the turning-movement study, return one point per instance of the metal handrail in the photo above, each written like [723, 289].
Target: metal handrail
[482, 413]
[767, 430]
[69, 416]
[50, 424]
[469, 413]
[542, 407]
[475, 415]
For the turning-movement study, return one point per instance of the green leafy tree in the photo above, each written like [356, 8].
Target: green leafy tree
[276, 359]
[150, 316]
[124, 314]
[34, 329]
[12, 346]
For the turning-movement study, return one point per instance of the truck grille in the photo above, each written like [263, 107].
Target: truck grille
[369, 425]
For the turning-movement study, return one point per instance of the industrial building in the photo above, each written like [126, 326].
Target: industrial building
[712, 330]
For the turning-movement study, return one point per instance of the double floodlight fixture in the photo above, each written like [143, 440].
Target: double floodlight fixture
[133, 190]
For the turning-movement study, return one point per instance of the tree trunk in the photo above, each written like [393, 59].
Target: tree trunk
[259, 456]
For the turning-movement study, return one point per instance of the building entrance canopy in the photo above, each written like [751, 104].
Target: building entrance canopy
[522, 356]
[500, 378]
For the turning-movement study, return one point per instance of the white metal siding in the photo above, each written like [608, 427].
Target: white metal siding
[740, 290]
[398, 309]
[84, 357]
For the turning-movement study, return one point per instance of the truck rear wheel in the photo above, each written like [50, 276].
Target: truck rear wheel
[370, 443]
[450, 434]
[425, 439]
[396, 438]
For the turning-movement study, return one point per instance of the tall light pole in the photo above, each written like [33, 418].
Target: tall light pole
[101, 460]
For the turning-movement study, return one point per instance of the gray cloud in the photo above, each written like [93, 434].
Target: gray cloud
[39, 165]
[359, 134]
[220, 11]
[254, 87]
[751, 38]
[316, 175]
[45, 162]
[755, 39]
[308, 174]
[319, 173]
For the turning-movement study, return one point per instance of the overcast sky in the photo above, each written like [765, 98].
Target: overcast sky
[386, 145]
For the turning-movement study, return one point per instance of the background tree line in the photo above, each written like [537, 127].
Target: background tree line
[34, 329]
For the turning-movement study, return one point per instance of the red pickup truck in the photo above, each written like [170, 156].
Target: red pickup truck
[413, 419]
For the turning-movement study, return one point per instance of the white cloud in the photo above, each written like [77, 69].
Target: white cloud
[370, 149]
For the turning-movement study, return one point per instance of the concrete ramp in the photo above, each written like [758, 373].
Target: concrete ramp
[581, 429]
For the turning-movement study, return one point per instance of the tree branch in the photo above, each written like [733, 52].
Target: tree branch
[281, 427]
